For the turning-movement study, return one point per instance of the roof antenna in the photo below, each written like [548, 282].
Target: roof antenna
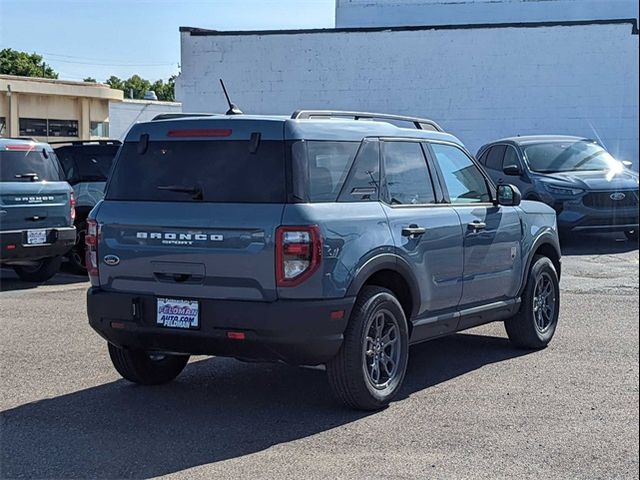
[233, 108]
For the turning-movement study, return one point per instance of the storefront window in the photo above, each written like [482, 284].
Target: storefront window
[100, 129]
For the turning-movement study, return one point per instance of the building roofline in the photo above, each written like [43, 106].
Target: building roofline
[633, 22]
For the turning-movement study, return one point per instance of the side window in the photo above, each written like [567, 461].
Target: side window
[463, 178]
[408, 181]
[329, 163]
[483, 158]
[363, 182]
[495, 156]
[510, 158]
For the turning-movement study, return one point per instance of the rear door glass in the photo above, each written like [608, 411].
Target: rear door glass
[408, 180]
[363, 182]
[222, 171]
[27, 166]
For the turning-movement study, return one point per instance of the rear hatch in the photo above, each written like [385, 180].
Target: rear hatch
[191, 210]
[32, 193]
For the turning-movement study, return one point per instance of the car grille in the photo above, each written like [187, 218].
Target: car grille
[604, 199]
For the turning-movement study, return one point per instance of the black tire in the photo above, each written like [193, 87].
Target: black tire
[536, 322]
[632, 235]
[146, 368]
[76, 256]
[40, 271]
[349, 372]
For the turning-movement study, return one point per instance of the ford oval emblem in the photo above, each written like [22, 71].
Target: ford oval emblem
[617, 196]
[111, 260]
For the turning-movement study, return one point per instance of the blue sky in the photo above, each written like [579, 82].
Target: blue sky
[98, 38]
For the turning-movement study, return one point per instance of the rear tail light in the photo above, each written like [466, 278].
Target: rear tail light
[298, 254]
[91, 251]
[72, 203]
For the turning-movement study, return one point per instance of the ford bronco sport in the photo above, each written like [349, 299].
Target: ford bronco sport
[335, 238]
[36, 210]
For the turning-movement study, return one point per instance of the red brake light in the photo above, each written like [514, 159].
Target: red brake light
[72, 202]
[20, 146]
[298, 254]
[200, 132]
[91, 251]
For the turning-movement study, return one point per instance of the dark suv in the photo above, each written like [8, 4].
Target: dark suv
[589, 189]
[86, 165]
[310, 239]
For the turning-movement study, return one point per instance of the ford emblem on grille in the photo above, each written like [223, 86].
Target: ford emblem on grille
[111, 260]
[617, 196]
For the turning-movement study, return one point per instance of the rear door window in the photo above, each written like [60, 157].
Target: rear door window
[221, 171]
[407, 177]
[27, 166]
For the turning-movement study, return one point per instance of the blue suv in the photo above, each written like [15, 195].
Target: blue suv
[336, 238]
[589, 189]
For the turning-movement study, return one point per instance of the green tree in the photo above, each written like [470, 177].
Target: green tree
[90, 79]
[165, 91]
[138, 85]
[14, 62]
[115, 82]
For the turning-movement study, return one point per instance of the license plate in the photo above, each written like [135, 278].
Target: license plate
[36, 237]
[176, 313]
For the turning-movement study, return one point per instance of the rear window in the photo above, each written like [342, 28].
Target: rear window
[83, 164]
[27, 166]
[221, 171]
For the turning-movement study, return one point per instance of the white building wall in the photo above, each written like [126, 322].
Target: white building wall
[371, 13]
[480, 84]
[123, 115]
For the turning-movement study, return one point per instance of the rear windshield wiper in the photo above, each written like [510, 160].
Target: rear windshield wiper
[32, 176]
[196, 192]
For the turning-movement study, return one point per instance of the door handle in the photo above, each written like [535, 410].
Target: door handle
[477, 226]
[413, 231]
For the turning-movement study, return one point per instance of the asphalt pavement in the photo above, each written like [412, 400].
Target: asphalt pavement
[472, 406]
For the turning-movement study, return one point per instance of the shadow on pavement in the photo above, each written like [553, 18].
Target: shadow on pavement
[217, 409]
[596, 244]
[10, 281]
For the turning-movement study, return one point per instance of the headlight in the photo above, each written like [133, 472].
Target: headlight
[556, 190]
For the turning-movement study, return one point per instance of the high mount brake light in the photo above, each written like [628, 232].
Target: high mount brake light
[298, 254]
[20, 146]
[91, 251]
[200, 132]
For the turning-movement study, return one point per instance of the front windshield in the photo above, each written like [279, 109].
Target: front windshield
[568, 156]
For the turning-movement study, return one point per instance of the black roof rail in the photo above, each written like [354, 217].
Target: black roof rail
[418, 123]
[86, 142]
[169, 116]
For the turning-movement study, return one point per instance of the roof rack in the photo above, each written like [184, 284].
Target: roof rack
[418, 123]
[169, 116]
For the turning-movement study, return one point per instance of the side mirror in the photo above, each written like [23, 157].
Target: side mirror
[627, 163]
[512, 170]
[508, 196]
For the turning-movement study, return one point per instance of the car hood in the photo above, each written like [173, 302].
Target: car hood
[594, 180]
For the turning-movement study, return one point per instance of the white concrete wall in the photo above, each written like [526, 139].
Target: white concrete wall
[480, 84]
[123, 115]
[366, 13]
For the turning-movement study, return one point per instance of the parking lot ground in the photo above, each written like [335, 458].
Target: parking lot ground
[471, 407]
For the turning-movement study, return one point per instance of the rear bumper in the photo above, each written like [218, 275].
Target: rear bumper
[296, 332]
[13, 247]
